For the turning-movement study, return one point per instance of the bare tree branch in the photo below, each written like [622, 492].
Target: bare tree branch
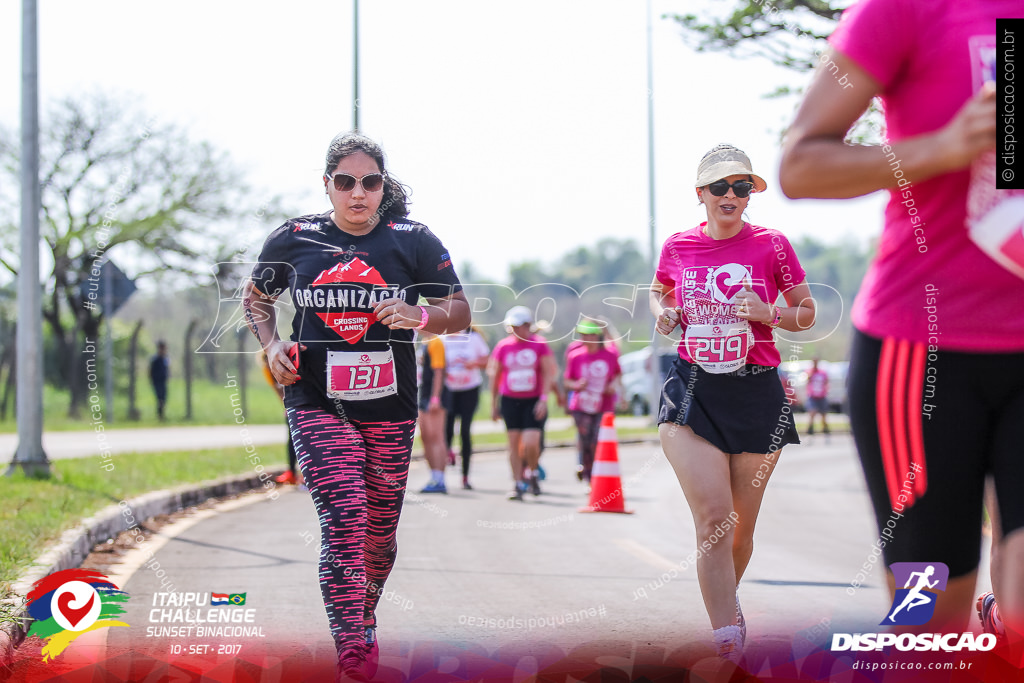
[113, 180]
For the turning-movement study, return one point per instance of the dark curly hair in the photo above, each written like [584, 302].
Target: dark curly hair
[395, 201]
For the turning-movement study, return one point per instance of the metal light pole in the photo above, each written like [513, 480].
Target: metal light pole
[30, 456]
[656, 379]
[355, 65]
[650, 141]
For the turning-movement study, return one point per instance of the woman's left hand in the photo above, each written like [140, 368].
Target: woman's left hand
[397, 314]
[540, 408]
[749, 305]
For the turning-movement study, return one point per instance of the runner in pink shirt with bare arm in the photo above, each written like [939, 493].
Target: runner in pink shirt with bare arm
[936, 382]
[724, 417]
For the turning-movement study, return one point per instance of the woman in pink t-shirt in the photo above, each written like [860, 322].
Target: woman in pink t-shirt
[590, 373]
[520, 369]
[936, 382]
[724, 415]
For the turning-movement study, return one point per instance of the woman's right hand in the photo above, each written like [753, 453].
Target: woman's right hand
[281, 365]
[495, 410]
[972, 131]
[668, 321]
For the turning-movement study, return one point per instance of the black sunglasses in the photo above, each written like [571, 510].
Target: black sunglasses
[371, 182]
[741, 188]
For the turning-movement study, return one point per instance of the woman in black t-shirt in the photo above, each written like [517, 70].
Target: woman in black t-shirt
[355, 275]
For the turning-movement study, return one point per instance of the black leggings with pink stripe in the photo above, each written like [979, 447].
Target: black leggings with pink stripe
[356, 473]
[930, 426]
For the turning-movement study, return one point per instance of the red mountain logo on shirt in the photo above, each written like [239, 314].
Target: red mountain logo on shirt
[350, 326]
[355, 271]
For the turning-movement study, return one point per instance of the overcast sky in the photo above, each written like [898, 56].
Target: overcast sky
[520, 127]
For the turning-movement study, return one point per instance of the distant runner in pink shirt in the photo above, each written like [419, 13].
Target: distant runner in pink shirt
[520, 369]
[817, 398]
[591, 371]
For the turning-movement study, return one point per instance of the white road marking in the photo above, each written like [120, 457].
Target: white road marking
[645, 554]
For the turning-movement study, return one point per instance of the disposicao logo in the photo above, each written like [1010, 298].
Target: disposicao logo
[914, 605]
[920, 581]
[72, 602]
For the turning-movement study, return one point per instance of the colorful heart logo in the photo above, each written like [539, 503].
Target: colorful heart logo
[72, 614]
[68, 603]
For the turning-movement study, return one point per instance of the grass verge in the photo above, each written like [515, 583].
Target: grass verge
[37, 511]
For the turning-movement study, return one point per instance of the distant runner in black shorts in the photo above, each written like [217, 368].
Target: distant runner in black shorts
[520, 369]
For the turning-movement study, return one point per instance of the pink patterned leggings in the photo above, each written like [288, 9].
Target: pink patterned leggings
[356, 475]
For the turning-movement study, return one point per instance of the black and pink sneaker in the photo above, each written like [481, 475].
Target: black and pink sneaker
[372, 652]
[988, 615]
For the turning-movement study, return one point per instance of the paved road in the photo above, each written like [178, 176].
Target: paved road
[480, 574]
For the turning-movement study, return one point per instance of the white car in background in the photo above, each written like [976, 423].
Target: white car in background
[637, 382]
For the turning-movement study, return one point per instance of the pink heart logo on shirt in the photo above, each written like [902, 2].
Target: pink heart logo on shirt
[728, 291]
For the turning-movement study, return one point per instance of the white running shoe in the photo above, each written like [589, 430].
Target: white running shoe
[740, 621]
[729, 642]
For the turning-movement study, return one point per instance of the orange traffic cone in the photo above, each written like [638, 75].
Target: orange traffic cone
[605, 481]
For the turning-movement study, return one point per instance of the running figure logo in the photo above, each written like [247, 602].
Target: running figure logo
[914, 604]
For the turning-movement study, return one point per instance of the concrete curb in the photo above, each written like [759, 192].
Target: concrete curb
[76, 544]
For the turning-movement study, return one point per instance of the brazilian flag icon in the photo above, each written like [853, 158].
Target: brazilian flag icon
[236, 598]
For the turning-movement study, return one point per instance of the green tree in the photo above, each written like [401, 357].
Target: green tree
[114, 183]
[787, 32]
[526, 274]
[610, 260]
[834, 272]
[8, 328]
[580, 282]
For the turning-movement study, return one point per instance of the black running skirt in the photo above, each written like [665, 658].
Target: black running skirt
[745, 411]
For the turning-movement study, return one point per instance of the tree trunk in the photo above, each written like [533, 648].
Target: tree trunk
[10, 360]
[242, 335]
[65, 342]
[187, 364]
[67, 349]
[211, 366]
[87, 350]
[133, 352]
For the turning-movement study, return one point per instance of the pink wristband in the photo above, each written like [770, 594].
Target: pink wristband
[424, 318]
